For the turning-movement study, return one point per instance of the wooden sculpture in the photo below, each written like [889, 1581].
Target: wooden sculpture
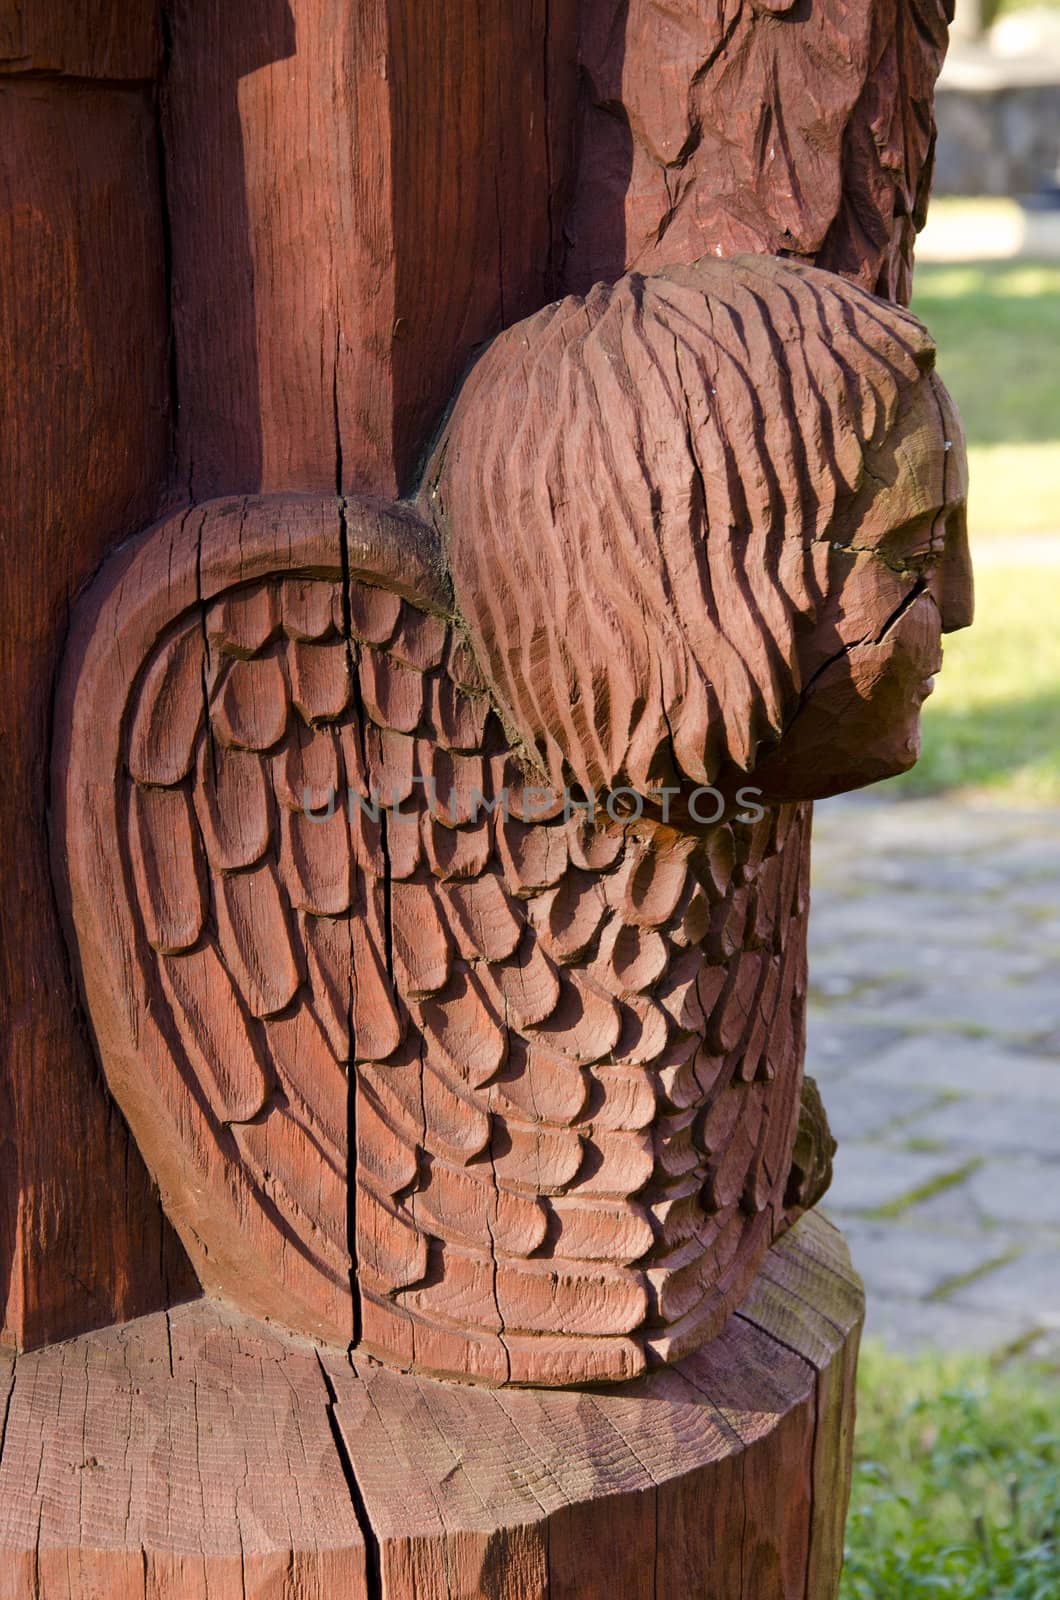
[417, 842]
[543, 509]
[268, 276]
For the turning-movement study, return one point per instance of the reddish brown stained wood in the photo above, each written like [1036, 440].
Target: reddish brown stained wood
[326, 236]
[803, 1295]
[780, 128]
[82, 461]
[659, 1222]
[657, 1490]
[186, 1457]
[480, 177]
[248, 963]
[344, 396]
[279, 220]
[203, 1455]
[117, 40]
[214, 1068]
[279, 80]
[753, 588]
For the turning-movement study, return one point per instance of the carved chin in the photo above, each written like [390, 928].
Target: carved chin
[819, 758]
[860, 721]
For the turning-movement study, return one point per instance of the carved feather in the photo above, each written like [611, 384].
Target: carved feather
[552, 1171]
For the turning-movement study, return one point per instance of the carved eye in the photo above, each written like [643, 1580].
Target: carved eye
[915, 546]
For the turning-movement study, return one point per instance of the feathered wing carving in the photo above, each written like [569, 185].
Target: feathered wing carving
[572, 1161]
[211, 688]
[575, 1054]
[417, 1055]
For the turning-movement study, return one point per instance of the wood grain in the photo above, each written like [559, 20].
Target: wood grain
[329, 280]
[115, 40]
[555, 1178]
[185, 1456]
[83, 461]
[705, 528]
[210, 1456]
[649, 568]
[358, 197]
[782, 128]
[481, 172]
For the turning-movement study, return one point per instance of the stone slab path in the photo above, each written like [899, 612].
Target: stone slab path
[935, 1038]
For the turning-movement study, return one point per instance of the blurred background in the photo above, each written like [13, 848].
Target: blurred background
[935, 936]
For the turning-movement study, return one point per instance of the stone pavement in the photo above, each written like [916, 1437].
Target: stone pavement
[935, 1038]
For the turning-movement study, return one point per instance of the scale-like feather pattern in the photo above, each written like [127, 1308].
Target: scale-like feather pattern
[562, 1095]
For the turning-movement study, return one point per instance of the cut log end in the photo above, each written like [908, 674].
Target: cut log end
[198, 1453]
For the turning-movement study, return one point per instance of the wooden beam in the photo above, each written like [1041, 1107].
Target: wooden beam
[359, 197]
[83, 459]
[119, 41]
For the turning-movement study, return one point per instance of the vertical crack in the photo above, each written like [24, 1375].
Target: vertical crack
[373, 1565]
[242, 1567]
[351, 1031]
[388, 909]
[502, 1326]
[35, 1575]
[336, 413]
[200, 605]
[744, 1594]
[7, 1409]
[812, 1514]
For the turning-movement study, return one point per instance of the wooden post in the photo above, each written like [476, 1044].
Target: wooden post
[512, 1101]
[202, 1454]
[83, 462]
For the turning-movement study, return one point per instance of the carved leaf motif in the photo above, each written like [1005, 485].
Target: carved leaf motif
[756, 125]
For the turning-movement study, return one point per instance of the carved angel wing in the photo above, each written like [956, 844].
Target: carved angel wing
[314, 896]
[600, 1089]
[211, 698]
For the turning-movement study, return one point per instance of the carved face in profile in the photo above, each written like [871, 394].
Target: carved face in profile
[900, 577]
[708, 528]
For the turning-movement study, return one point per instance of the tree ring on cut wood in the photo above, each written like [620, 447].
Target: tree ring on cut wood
[201, 1453]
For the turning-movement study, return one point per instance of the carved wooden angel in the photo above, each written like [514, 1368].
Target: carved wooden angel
[438, 873]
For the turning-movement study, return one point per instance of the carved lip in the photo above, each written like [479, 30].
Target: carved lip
[927, 682]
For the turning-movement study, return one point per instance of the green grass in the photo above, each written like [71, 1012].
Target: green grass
[956, 1492]
[1004, 8]
[993, 723]
[1014, 488]
[997, 326]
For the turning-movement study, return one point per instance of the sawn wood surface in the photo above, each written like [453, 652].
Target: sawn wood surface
[199, 1455]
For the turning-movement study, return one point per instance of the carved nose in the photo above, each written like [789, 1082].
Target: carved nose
[951, 582]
